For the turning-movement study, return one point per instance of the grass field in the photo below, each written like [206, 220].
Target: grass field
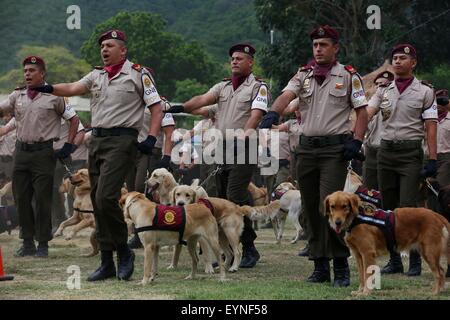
[279, 275]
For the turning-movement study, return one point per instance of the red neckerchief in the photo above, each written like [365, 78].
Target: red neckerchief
[299, 119]
[237, 81]
[113, 69]
[442, 115]
[32, 93]
[321, 71]
[403, 83]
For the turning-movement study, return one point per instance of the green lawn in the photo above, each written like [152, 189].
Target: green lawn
[280, 275]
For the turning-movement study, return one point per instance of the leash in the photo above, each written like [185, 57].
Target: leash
[217, 170]
[69, 171]
[436, 193]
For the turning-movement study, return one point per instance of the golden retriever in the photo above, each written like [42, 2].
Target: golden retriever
[199, 224]
[83, 211]
[230, 218]
[414, 227]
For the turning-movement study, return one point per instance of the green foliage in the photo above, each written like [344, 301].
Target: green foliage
[150, 45]
[401, 21]
[188, 88]
[439, 76]
[214, 23]
[62, 66]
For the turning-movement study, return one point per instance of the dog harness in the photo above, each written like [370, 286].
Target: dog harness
[384, 220]
[172, 218]
[83, 211]
[372, 197]
[276, 195]
[168, 218]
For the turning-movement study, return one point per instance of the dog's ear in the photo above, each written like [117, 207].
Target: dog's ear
[326, 206]
[354, 203]
[194, 196]
[122, 200]
[172, 197]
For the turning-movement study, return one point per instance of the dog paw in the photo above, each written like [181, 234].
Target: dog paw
[68, 237]
[233, 269]
[294, 241]
[171, 267]
[189, 277]
[57, 234]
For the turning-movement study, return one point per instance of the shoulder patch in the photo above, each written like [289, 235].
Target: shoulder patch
[98, 67]
[20, 88]
[426, 83]
[350, 69]
[137, 67]
[305, 68]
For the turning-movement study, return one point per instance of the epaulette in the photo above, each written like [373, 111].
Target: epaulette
[426, 83]
[20, 88]
[226, 79]
[137, 67]
[350, 69]
[98, 67]
[260, 79]
[305, 67]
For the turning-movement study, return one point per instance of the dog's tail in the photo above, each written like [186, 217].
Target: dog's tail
[261, 212]
[445, 237]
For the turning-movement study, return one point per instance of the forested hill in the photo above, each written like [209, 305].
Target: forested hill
[214, 23]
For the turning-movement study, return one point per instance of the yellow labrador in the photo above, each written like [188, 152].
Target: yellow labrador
[199, 223]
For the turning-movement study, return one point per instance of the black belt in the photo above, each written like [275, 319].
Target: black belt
[323, 141]
[400, 144]
[118, 131]
[36, 146]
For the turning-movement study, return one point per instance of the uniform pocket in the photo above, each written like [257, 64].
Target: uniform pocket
[338, 97]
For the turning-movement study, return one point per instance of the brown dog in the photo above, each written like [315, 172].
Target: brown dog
[200, 223]
[414, 227]
[83, 212]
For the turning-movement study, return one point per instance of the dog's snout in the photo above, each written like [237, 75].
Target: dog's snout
[180, 203]
[338, 222]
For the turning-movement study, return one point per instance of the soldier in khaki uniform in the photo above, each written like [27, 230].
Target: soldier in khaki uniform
[408, 107]
[38, 120]
[328, 92]
[120, 92]
[373, 138]
[242, 101]
[443, 138]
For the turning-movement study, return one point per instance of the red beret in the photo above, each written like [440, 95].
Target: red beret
[242, 47]
[386, 75]
[442, 93]
[324, 32]
[34, 60]
[404, 48]
[112, 34]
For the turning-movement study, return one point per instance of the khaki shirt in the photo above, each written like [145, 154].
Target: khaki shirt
[325, 110]
[234, 107]
[443, 135]
[167, 120]
[374, 130]
[8, 141]
[39, 119]
[120, 102]
[403, 114]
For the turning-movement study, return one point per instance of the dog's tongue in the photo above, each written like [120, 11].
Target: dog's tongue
[338, 229]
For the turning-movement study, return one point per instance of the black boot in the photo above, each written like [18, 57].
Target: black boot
[415, 264]
[42, 250]
[106, 270]
[249, 256]
[304, 252]
[447, 275]
[341, 272]
[125, 262]
[135, 242]
[321, 271]
[394, 265]
[28, 248]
